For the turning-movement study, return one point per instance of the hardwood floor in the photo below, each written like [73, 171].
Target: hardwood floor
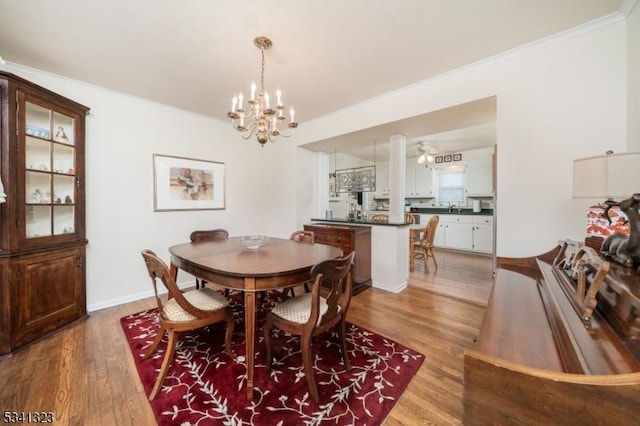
[86, 376]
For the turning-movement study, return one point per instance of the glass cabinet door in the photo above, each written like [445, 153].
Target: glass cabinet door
[50, 172]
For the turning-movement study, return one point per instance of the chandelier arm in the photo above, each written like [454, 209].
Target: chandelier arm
[284, 135]
[253, 130]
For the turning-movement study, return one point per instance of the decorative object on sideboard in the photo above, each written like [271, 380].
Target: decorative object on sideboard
[621, 248]
[599, 226]
[613, 176]
[261, 118]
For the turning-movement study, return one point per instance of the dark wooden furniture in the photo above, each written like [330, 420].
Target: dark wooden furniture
[312, 314]
[542, 358]
[303, 237]
[349, 238]
[280, 263]
[208, 235]
[42, 223]
[182, 311]
[300, 237]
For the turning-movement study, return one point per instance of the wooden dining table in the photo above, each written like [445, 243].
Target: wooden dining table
[279, 263]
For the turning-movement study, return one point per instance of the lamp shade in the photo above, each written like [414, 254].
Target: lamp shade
[607, 176]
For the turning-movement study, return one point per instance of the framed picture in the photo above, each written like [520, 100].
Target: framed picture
[457, 157]
[187, 184]
[438, 158]
[447, 158]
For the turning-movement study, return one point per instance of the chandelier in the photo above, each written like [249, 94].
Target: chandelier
[260, 117]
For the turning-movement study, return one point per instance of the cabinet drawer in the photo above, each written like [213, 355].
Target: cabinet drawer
[454, 218]
[483, 220]
[335, 238]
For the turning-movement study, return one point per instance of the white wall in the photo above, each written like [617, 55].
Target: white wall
[633, 79]
[123, 132]
[557, 100]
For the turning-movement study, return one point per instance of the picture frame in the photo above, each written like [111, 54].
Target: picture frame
[457, 157]
[181, 183]
[447, 158]
[439, 158]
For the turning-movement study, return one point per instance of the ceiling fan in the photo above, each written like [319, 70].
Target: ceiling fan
[427, 152]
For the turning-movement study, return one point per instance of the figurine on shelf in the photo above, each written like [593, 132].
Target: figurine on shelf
[61, 136]
[67, 200]
[58, 200]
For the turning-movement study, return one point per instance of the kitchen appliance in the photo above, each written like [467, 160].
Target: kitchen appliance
[477, 206]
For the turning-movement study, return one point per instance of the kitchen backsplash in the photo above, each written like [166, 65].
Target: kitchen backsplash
[485, 203]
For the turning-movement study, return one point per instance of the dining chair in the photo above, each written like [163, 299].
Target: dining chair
[379, 218]
[208, 235]
[423, 247]
[311, 314]
[182, 311]
[308, 237]
[409, 218]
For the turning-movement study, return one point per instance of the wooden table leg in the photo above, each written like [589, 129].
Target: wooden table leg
[250, 330]
[173, 271]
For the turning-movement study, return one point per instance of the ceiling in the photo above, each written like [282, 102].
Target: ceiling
[326, 55]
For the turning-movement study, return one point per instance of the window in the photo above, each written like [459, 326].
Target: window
[451, 187]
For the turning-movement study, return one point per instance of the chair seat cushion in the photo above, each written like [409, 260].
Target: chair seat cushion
[298, 309]
[205, 299]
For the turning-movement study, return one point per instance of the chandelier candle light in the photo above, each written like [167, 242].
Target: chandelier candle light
[261, 118]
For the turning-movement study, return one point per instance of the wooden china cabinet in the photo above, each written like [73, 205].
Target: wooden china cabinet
[42, 222]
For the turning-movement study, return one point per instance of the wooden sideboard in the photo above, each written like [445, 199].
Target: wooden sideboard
[349, 238]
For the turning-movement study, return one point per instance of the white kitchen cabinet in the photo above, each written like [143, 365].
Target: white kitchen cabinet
[483, 234]
[463, 232]
[418, 181]
[458, 232]
[382, 180]
[424, 181]
[478, 179]
[438, 239]
[409, 182]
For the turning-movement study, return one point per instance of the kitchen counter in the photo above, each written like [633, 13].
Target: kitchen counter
[359, 222]
[463, 211]
[389, 250]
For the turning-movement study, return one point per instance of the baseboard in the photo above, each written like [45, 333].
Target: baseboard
[132, 298]
[391, 289]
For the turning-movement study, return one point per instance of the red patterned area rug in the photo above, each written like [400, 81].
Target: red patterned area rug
[206, 387]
